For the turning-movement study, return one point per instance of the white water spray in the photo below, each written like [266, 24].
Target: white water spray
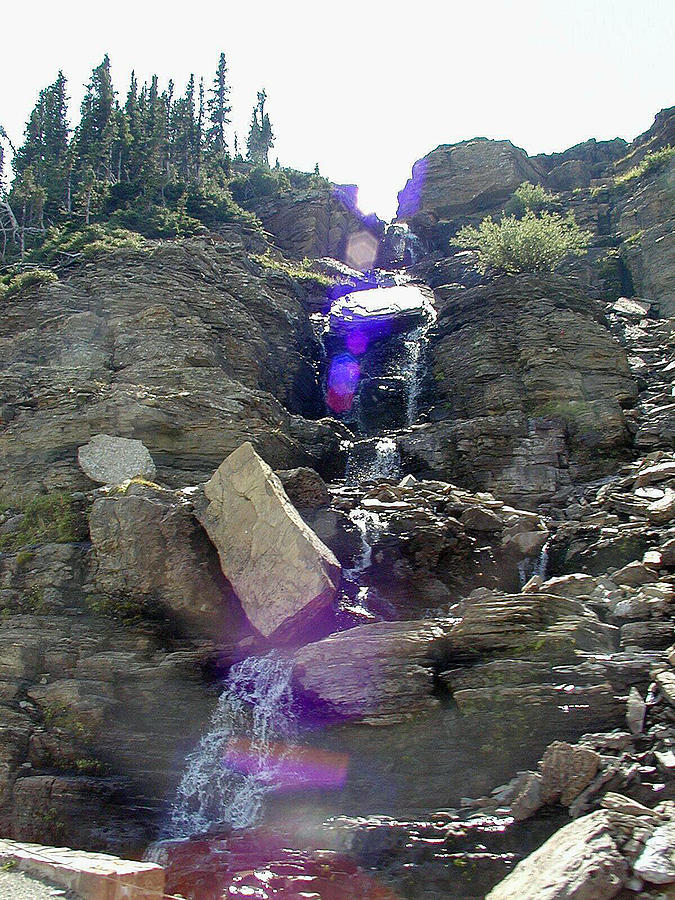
[256, 705]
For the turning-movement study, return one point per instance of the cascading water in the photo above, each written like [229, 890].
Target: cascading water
[413, 368]
[240, 759]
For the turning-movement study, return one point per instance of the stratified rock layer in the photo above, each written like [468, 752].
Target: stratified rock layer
[529, 389]
[188, 347]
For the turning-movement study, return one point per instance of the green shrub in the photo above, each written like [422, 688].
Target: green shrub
[159, 222]
[47, 518]
[528, 196]
[68, 242]
[648, 163]
[531, 244]
[10, 285]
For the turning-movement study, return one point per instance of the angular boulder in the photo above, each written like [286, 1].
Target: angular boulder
[582, 861]
[112, 460]
[281, 572]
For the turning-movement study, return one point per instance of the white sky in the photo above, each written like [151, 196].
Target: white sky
[366, 87]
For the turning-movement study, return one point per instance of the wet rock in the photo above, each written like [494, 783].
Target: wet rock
[281, 572]
[112, 460]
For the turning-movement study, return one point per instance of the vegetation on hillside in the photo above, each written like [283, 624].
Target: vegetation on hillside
[529, 197]
[648, 163]
[532, 243]
[156, 164]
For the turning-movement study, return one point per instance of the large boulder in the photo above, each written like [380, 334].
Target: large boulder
[150, 550]
[280, 570]
[112, 460]
[321, 220]
[582, 861]
[459, 180]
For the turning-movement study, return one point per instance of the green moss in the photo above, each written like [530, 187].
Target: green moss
[127, 610]
[60, 716]
[32, 602]
[634, 238]
[47, 519]
[24, 556]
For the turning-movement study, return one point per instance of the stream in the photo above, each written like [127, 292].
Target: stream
[264, 777]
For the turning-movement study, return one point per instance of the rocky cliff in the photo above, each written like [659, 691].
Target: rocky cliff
[475, 650]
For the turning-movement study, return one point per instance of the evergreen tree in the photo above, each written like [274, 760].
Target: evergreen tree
[44, 150]
[219, 108]
[260, 136]
[96, 133]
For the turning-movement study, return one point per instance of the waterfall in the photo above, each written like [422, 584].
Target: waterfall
[542, 563]
[238, 761]
[370, 460]
[412, 367]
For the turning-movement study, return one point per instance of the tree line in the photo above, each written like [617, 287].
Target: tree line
[154, 152]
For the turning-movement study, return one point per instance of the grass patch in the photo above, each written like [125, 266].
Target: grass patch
[30, 603]
[633, 239]
[47, 519]
[302, 271]
[127, 610]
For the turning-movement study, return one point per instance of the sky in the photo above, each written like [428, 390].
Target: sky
[365, 87]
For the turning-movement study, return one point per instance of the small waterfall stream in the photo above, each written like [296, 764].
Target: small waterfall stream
[241, 757]
[376, 336]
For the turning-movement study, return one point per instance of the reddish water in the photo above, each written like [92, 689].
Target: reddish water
[262, 865]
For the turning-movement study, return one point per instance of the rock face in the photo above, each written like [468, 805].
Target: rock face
[277, 566]
[112, 460]
[459, 180]
[529, 388]
[188, 347]
[321, 221]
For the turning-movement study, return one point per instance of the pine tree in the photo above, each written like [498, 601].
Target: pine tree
[45, 149]
[219, 108]
[260, 136]
[96, 132]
